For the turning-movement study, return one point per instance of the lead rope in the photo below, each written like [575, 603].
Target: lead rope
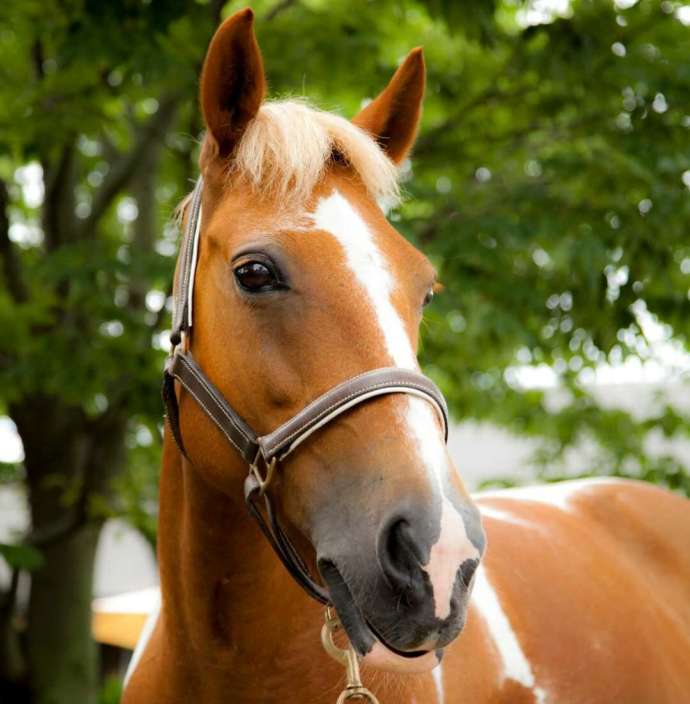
[354, 689]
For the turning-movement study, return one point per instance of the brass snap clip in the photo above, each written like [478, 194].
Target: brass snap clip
[354, 689]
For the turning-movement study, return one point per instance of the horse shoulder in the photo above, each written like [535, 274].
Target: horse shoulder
[584, 595]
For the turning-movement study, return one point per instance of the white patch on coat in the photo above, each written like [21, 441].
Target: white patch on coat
[335, 215]
[515, 664]
[144, 637]
[558, 494]
[500, 514]
[437, 674]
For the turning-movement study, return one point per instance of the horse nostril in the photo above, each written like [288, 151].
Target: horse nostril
[467, 570]
[400, 556]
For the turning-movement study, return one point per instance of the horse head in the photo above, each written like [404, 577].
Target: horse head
[302, 283]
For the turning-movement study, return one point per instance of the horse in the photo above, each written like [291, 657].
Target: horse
[297, 311]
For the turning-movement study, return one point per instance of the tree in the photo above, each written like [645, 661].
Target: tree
[96, 89]
[549, 185]
[562, 154]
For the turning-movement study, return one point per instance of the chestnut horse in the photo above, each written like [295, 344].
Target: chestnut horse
[301, 284]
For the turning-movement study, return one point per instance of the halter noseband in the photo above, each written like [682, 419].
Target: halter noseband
[274, 447]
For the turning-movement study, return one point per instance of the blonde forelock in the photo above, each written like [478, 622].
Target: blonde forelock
[286, 148]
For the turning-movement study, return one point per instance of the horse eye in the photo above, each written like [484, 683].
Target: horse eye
[429, 297]
[256, 277]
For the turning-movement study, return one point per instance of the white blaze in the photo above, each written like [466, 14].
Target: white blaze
[515, 664]
[453, 546]
[335, 215]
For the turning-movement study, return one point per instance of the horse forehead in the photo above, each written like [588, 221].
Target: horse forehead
[371, 269]
[337, 215]
[356, 234]
[341, 204]
[367, 240]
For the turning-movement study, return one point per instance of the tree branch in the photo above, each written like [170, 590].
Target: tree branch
[58, 205]
[7, 598]
[143, 188]
[11, 265]
[278, 9]
[12, 663]
[103, 454]
[217, 12]
[58, 217]
[123, 169]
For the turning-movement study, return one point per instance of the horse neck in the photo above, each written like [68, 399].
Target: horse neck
[230, 611]
[234, 625]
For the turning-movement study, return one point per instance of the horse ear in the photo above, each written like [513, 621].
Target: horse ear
[232, 81]
[393, 118]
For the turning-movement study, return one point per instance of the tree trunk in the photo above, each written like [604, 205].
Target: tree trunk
[70, 459]
[61, 654]
[12, 661]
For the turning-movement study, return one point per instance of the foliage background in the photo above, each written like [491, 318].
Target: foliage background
[549, 184]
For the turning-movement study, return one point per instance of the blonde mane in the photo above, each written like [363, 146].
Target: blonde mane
[288, 145]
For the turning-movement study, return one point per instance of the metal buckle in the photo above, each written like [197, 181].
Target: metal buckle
[264, 481]
[354, 689]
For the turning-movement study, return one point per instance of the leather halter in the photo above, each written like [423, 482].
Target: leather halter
[274, 447]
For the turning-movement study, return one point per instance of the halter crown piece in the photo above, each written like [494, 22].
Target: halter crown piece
[269, 450]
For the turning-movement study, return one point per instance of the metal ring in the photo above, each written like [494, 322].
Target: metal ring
[263, 482]
[360, 693]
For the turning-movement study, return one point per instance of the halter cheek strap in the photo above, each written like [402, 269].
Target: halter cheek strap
[271, 449]
[183, 291]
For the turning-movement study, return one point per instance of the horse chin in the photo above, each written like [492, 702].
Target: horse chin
[381, 658]
[365, 638]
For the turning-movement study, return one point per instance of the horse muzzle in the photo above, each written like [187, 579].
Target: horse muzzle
[403, 604]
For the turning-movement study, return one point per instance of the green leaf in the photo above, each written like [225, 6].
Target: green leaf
[23, 557]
